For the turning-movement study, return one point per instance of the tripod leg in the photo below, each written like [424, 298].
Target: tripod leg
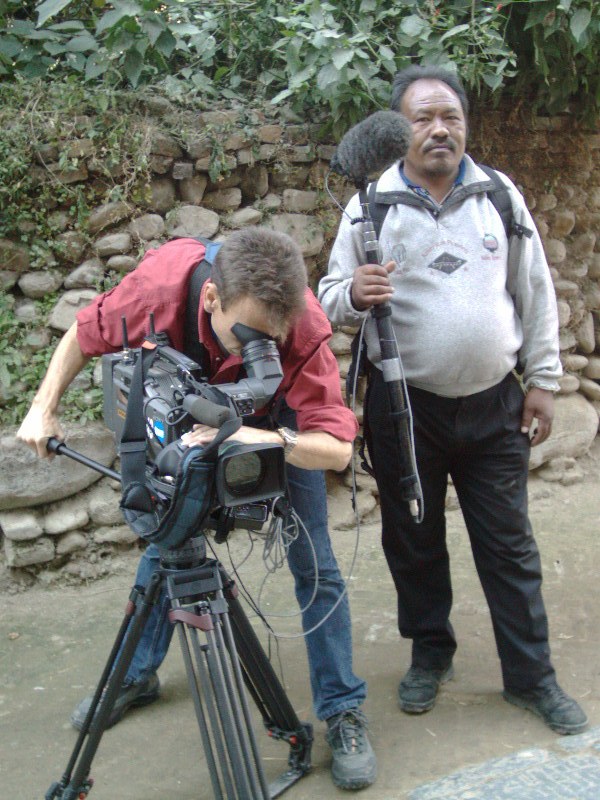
[261, 678]
[232, 657]
[263, 684]
[75, 782]
[216, 697]
[229, 642]
[201, 716]
[236, 734]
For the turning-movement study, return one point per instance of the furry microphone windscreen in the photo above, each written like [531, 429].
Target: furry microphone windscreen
[372, 145]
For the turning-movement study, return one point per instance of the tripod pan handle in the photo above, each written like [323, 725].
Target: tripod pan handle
[54, 445]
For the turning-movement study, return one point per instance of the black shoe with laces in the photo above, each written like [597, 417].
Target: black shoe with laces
[130, 695]
[419, 687]
[559, 711]
[354, 764]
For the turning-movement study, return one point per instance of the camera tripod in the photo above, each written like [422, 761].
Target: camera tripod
[223, 658]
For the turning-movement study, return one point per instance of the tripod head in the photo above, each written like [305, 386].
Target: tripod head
[189, 555]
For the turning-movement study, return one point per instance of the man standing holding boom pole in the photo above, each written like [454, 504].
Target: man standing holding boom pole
[471, 301]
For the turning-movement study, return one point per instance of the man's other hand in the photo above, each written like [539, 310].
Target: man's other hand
[539, 405]
[371, 285]
[37, 427]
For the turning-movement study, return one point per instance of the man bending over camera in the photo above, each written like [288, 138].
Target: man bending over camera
[258, 279]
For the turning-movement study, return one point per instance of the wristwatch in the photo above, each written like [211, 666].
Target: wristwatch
[290, 439]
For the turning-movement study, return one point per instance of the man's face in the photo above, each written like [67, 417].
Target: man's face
[247, 311]
[439, 130]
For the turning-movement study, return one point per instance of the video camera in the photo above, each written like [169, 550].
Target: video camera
[171, 394]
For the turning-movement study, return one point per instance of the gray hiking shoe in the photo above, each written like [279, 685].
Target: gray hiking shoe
[130, 695]
[354, 764]
[419, 687]
[559, 711]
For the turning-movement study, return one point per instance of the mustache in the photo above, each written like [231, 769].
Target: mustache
[448, 142]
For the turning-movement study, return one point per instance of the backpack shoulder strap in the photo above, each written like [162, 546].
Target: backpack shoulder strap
[192, 345]
[358, 350]
[500, 199]
[378, 210]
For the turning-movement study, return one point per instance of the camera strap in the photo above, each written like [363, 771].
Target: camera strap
[193, 347]
[132, 447]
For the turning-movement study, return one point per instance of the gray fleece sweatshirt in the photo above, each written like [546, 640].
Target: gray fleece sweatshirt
[467, 304]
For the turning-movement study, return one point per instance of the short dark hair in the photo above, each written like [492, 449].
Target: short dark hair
[404, 78]
[265, 265]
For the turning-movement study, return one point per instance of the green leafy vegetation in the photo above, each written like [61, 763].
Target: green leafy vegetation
[557, 52]
[44, 127]
[334, 57]
[73, 72]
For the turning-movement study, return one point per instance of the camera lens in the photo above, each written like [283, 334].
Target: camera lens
[244, 473]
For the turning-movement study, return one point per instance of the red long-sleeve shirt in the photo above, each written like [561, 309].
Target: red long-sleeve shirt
[311, 383]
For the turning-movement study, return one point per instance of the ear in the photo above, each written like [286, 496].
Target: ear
[211, 297]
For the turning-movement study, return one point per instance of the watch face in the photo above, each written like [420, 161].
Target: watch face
[290, 438]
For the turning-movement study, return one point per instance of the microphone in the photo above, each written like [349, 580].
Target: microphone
[372, 145]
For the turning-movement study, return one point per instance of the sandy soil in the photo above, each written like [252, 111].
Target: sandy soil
[53, 644]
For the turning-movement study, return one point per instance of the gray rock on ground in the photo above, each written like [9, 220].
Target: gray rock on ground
[573, 431]
[26, 480]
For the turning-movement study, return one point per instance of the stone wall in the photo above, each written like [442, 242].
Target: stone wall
[60, 519]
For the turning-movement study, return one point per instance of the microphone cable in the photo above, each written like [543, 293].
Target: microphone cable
[281, 547]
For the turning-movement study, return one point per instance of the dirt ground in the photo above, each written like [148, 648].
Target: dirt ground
[53, 644]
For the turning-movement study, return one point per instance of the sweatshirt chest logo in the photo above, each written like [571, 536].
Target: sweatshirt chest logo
[490, 242]
[447, 263]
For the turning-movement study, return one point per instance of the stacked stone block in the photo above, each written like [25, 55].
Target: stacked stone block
[272, 174]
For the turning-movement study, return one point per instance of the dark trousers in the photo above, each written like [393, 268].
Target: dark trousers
[477, 441]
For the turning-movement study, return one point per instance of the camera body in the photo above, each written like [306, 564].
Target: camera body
[175, 393]
[170, 379]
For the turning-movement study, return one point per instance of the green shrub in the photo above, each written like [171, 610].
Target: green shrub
[333, 57]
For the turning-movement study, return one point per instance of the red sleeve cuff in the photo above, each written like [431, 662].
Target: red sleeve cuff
[338, 421]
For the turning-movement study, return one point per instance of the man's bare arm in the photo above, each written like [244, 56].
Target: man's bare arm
[42, 421]
[314, 450]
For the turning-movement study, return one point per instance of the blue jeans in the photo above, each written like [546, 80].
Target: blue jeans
[334, 685]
